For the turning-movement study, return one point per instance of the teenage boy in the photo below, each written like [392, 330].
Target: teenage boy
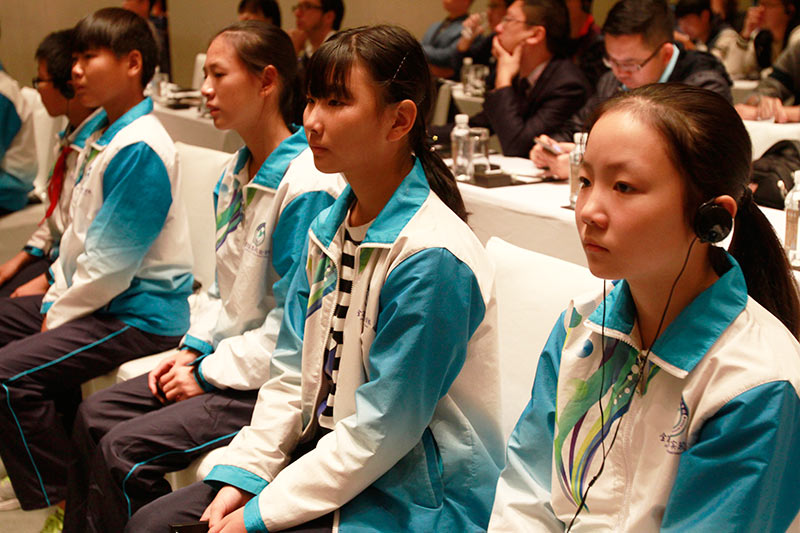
[18, 165]
[24, 274]
[639, 51]
[315, 22]
[121, 281]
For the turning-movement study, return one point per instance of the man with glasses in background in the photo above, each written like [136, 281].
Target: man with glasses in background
[639, 51]
[315, 22]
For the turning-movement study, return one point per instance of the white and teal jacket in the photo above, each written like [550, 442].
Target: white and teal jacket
[45, 240]
[712, 445]
[261, 234]
[126, 252]
[417, 444]
[18, 165]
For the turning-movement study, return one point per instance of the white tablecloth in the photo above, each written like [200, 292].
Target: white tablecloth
[764, 134]
[187, 126]
[471, 105]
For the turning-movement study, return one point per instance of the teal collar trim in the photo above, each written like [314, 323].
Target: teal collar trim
[139, 110]
[689, 337]
[241, 159]
[404, 204]
[274, 168]
[670, 66]
[85, 129]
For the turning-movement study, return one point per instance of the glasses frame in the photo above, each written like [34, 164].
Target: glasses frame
[506, 19]
[306, 6]
[35, 82]
[635, 67]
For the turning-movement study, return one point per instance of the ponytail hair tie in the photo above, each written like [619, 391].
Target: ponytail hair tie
[747, 197]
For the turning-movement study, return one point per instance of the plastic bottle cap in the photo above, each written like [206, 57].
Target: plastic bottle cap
[467, 61]
[462, 120]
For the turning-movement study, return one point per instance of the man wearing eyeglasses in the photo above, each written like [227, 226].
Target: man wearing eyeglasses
[315, 22]
[639, 51]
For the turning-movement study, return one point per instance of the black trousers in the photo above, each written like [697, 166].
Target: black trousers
[40, 378]
[33, 269]
[127, 440]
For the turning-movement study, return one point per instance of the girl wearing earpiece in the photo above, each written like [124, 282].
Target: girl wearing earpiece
[386, 368]
[671, 403]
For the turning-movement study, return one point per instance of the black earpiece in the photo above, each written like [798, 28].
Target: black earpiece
[712, 222]
[65, 88]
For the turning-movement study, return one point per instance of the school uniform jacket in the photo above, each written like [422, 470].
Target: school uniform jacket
[126, 252]
[417, 443]
[260, 238]
[45, 240]
[18, 165]
[712, 445]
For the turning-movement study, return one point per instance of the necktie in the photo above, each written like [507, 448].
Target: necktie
[57, 180]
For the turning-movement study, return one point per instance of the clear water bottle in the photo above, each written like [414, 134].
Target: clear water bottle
[575, 160]
[792, 209]
[461, 149]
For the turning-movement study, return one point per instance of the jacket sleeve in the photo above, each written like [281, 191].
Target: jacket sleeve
[137, 196]
[41, 240]
[242, 362]
[743, 472]
[516, 124]
[784, 80]
[740, 62]
[522, 500]
[422, 333]
[444, 51]
[10, 123]
[607, 86]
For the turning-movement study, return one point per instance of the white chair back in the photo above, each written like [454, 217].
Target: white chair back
[532, 291]
[442, 106]
[45, 130]
[197, 71]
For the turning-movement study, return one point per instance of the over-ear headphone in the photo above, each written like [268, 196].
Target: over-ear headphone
[712, 222]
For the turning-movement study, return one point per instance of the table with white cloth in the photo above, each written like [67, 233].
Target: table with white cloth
[742, 89]
[187, 126]
[764, 133]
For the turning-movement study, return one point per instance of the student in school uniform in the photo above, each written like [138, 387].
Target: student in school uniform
[201, 394]
[386, 367]
[123, 274]
[53, 81]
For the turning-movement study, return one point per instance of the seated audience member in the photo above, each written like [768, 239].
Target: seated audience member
[474, 41]
[769, 28]
[123, 273]
[18, 164]
[264, 10]
[778, 95]
[199, 396]
[639, 51]
[537, 87]
[385, 373]
[701, 29]
[24, 274]
[144, 9]
[315, 22]
[669, 401]
[440, 41]
[585, 41]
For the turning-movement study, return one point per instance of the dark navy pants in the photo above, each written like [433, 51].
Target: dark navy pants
[127, 440]
[40, 378]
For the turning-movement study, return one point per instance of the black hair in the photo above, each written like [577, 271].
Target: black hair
[708, 144]
[56, 51]
[691, 7]
[268, 9]
[652, 19]
[260, 44]
[122, 32]
[554, 16]
[337, 6]
[397, 65]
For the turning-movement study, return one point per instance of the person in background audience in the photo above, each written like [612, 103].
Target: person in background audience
[123, 273]
[386, 368]
[264, 10]
[158, 24]
[24, 274]
[586, 42]
[769, 27]
[728, 11]
[670, 401]
[315, 22]
[701, 29]
[537, 86]
[778, 95]
[18, 165]
[130, 435]
[440, 41]
[639, 51]
[475, 42]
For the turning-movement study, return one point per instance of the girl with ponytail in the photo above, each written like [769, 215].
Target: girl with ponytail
[381, 413]
[691, 359]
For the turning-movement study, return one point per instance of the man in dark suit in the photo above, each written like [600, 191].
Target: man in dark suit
[537, 87]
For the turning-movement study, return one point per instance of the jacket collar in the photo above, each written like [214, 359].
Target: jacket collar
[77, 137]
[139, 110]
[404, 204]
[689, 337]
[274, 168]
